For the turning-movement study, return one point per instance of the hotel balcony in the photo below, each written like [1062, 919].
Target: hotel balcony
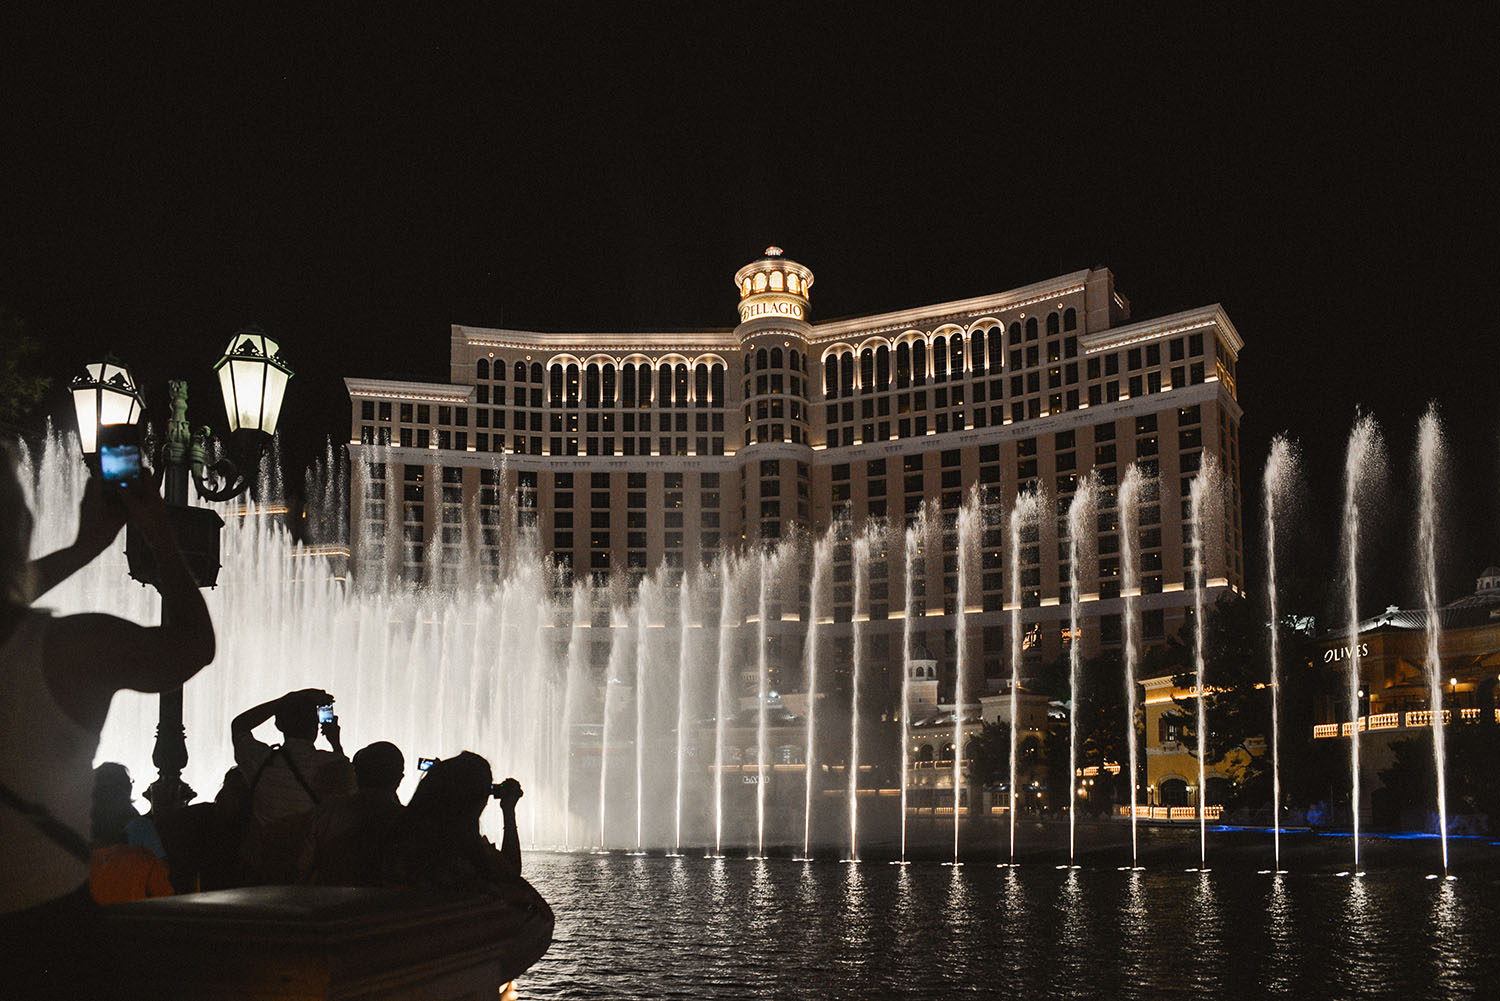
[1415, 719]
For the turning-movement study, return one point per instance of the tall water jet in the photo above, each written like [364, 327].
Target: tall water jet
[968, 543]
[762, 670]
[817, 609]
[1080, 526]
[1431, 457]
[1023, 515]
[645, 606]
[913, 551]
[1130, 591]
[577, 666]
[1364, 454]
[861, 613]
[1280, 473]
[619, 647]
[726, 646]
[1201, 498]
[687, 621]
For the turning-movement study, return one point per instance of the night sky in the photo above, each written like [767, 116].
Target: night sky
[357, 184]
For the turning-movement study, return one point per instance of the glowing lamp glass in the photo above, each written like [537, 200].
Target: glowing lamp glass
[105, 394]
[253, 378]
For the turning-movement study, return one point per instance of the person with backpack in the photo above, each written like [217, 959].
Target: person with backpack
[287, 780]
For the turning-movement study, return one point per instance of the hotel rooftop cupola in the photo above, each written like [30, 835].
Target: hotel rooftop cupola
[773, 287]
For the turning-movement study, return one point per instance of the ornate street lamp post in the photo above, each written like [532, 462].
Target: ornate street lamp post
[252, 378]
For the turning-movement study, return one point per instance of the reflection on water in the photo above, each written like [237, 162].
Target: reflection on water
[689, 928]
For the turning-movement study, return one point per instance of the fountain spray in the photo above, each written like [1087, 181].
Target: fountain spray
[577, 654]
[1365, 453]
[1026, 511]
[968, 531]
[726, 639]
[1202, 497]
[861, 612]
[642, 661]
[762, 672]
[1431, 455]
[685, 625]
[1130, 590]
[1080, 517]
[913, 549]
[817, 611]
[619, 637]
[1280, 471]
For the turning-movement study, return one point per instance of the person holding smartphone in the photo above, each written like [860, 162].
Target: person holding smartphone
[58, 676]
[287, 780]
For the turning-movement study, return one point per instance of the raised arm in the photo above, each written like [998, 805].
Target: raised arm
[99, 522]
[245, 722]
[510, 844]
[90, 657]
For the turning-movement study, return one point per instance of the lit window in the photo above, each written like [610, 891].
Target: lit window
[760, 282]
[776, 280]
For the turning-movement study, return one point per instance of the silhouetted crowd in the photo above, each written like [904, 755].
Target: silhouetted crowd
[287, 813]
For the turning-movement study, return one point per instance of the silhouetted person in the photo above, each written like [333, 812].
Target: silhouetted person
[438, 843]
[127, 861]
[59, 676]
[286, 781]
[348, 837]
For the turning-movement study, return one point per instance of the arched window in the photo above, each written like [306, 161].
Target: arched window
[643, 386]
[556, 395]
[903, 365]
[795, 360]
[591, 386]
[629, 386]
[664, 386]
[1015, 333]
[747, 364]
[498, 369]
[791, 283]
[956, 355]
[882, 368]
[776, 358]
[520, 371]
[700, 384]
[777, 282]
[867, 371]
[940, 359]
[977, 355]
[482, 368]
[1070, 319]
[831, 376]
[760, 282]
[1031, 328]
[761, 359]
[572, 385]
[919, 363]
[1053, 321]
[609, 385]
[926, 753]
[846, 374]
[680, 377]
[997, 350]
[716, 384]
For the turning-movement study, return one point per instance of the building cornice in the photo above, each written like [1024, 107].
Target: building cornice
[1165, 326]
[397, 389]
[528, 340]
[978, 306]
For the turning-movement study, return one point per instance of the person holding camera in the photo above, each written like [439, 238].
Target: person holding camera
[438, 843]
[58, 676]
[287, 780]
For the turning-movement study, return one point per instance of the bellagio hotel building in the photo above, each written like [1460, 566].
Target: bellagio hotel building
[618, 454]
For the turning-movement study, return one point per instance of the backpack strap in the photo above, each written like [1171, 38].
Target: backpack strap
[296, 772]
[41, 818]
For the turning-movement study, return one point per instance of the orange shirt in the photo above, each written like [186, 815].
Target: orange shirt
[121, 873]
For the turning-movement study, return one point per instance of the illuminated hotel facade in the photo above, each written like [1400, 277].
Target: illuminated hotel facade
[621, 453]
